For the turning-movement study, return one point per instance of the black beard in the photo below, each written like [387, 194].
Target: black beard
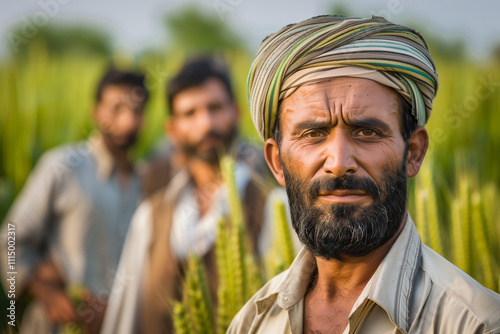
[353, 230]
[123, 143]
[211, 156]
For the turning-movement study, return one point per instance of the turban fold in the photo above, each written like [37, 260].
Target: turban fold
[325, 47]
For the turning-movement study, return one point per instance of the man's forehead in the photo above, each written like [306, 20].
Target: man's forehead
[346, 97]
[124, 93]
[200, 96]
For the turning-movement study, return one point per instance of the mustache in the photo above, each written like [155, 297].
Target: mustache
[213, 135]
[346, 182]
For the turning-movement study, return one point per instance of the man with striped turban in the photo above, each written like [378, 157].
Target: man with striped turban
[342, 104]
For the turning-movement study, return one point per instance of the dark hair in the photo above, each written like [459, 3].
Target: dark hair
[195, 72]
[408, 125]
[409, 122]
[115, 77]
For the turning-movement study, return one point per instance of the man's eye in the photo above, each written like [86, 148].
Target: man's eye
[187, 114]
[215, 107]
[367, 133]
[313, 134]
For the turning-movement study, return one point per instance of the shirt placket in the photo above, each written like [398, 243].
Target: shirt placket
[295, 317]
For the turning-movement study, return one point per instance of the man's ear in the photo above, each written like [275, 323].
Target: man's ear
[418, 144]
[272, 154]
[237, 111]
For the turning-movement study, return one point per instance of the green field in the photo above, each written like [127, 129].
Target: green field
[46, 100]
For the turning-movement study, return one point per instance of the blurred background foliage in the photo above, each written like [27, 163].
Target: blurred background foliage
[47, 85]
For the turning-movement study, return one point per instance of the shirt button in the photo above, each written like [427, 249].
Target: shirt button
[286, 298]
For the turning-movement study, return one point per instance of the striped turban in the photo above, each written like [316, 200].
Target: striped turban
[325, 47]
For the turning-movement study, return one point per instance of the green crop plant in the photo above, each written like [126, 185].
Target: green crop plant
[239, 275]
[281, 254]
[182, 324]
[470, 216]
[484, 261]
[236, 237]
[194, 314]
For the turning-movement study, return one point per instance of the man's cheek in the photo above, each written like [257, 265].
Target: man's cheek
[106, 124]
[306, 164]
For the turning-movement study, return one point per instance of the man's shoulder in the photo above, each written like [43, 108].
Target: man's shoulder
[142, 216]
[253, 157]
[251, 154]
[271, 287]
[246, 149]
[157, 173]
[157, 198]
[62, 152]
[60, 160]
[459, 291]
[261, 300]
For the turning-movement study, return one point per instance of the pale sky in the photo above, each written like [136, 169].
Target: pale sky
[137, 25]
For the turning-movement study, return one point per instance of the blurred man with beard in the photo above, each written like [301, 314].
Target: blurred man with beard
[342, 104]
[181, 218]
[72, 216]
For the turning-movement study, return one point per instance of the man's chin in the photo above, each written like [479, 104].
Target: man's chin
[211, 157]
[349, 211]
[123, 143]
[126, 145]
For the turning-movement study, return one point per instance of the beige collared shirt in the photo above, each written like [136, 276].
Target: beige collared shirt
[414, 290]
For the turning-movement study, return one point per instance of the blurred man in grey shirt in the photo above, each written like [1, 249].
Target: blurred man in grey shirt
[71, 218]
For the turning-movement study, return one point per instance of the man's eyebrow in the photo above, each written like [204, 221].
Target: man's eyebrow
[369, 122]
[185, 112]
[311, 124]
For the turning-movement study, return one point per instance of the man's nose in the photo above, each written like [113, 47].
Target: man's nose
[340, 155]
[205, 121]
[130, 120]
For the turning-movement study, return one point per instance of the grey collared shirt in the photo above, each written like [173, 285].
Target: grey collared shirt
[74, 211]
[414, 290]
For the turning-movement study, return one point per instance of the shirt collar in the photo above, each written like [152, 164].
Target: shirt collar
[390, 286]
[393, 279]
[294, 285]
